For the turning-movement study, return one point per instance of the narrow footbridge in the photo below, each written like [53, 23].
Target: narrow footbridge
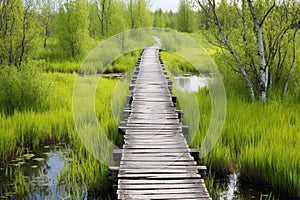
[156, 162]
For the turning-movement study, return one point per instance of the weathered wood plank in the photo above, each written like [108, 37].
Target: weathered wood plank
[165, 196]
[165, 191]
[156, 161]
[161, 186]
[160, 176]
[160, 181]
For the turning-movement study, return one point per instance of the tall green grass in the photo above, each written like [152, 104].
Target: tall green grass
[121, 65]
[259, 140]
[28, 130]
[25, 132]
[177, 63]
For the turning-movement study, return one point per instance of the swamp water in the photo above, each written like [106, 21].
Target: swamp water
[37, 176]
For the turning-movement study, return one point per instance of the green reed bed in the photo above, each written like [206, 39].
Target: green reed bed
[259, 140]
[177, 63]
[85, 169]
[25, 132]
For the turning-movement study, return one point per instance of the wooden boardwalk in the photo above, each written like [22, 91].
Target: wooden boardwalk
[156, 162]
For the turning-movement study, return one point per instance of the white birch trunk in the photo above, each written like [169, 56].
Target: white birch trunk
[263, 79]
[235, 58]
[292, 65]
[264, 71]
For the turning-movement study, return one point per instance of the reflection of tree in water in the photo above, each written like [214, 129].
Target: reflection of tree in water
[39, 173]
[183, 83]
[191, 84]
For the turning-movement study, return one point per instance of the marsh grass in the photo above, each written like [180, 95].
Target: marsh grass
[25, 132]
[260, 140]
[177, 63]
[122, 64]
[21, 186]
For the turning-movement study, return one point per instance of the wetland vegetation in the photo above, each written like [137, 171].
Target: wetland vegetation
[43, 45]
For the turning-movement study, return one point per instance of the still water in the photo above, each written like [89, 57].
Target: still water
[191, 83]
[232, 188]
[35, 175]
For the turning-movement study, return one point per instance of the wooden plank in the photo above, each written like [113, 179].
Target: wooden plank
[161, 186]
[157, 171]
[164, 196]
[169, 182]
[164, 191]
[164, 167]
[156, 162]
[164, 159]
[160, 176]
[175, 150]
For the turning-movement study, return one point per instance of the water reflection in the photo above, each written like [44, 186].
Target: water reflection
[35, 176]
[232, 188]
[191, 83]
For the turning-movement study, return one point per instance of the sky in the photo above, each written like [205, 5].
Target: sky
[165, 5]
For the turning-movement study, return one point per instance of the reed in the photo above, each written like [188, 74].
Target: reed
[259, 140]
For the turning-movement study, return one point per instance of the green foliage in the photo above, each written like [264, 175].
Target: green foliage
[72, 29]
[23, 89]
[139, 14]
[159, 19]
[19, 32]
[177, 63]
[170, 19]
[62, 67]
[117, 22]
[21, 187]
[94, 22]
[262, 149]
[185, 18]
[232, 28]
[46, 20]
[85, 168]
[124, 63]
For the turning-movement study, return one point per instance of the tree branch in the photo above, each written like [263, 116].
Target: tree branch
[267, 13]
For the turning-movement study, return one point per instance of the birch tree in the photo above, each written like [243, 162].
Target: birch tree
[255, 35]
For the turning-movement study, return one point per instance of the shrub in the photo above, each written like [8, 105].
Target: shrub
[22, 89]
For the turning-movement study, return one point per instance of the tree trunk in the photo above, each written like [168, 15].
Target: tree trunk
[263, 86]
[292, 65]
[212, 10]
[271, 78]
[263, 68]
[237, 62]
